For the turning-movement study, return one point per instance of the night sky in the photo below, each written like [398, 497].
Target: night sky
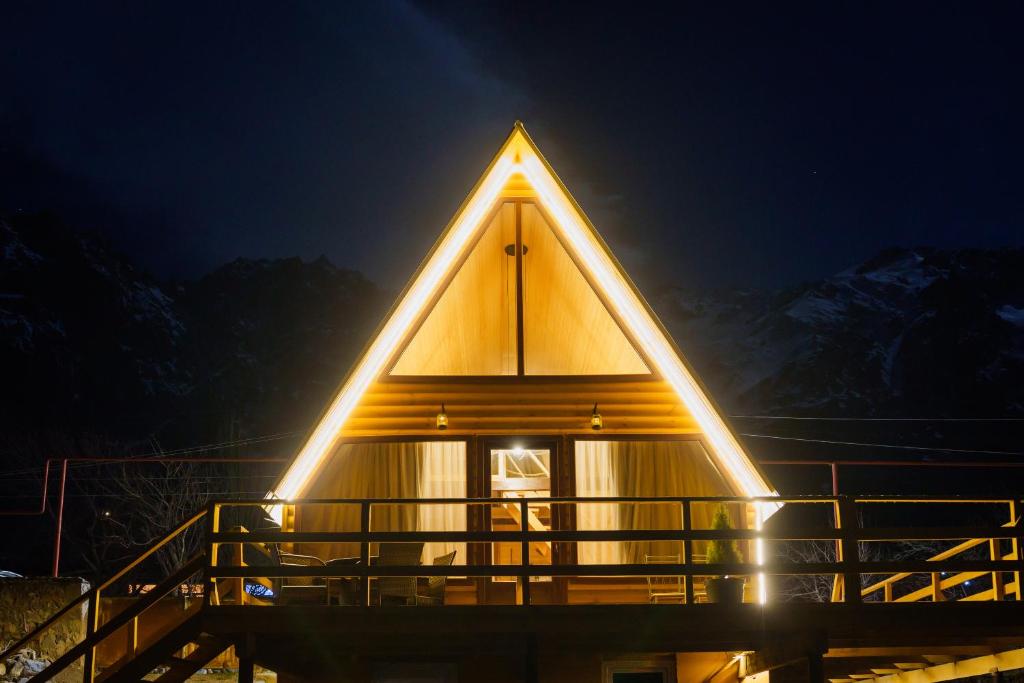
[720, 144]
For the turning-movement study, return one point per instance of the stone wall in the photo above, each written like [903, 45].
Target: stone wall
[26, 603]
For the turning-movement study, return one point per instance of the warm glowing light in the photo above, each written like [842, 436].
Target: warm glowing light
[442, 420]
[276, 513]
[596, 423]
[761, 512]
[446, 253]
[517, 450]
[519, 155]
[645, 330]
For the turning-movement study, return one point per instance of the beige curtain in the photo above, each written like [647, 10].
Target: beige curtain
[594, 477]
[442, 475]
[387, 470]
[642, 468]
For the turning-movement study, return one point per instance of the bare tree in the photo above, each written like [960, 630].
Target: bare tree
[136, 506]
[818, 587]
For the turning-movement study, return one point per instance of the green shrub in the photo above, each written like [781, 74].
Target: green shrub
[723, 551]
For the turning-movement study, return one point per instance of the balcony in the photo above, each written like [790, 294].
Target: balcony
[547, 551]
[841, 580]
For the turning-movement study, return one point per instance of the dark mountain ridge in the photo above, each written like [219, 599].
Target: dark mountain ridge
[91, 345]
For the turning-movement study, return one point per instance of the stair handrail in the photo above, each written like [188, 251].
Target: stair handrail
[121, 618]
[93, 593]
[961, 547]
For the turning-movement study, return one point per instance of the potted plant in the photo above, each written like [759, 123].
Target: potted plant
[727, 590]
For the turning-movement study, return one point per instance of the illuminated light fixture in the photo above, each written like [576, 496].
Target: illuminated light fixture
[596, 423]
[517, 450]
[519, 155]
[442, 420]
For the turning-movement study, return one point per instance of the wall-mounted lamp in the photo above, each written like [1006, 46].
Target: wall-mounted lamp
[442, 420]
[596, 423]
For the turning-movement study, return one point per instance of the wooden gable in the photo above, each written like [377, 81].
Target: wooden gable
[526, 353]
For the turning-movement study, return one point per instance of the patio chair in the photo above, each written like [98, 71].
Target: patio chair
[301, 590]
[398, 590]
[343, 590]
[433, 592]
[664, 589]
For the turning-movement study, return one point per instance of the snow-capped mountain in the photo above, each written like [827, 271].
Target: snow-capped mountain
[911, 332]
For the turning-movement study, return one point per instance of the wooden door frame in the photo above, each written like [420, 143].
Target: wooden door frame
[479, 485]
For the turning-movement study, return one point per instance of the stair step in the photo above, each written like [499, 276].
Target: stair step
[205, 639]
[180, 669]
[156, 654]
[178, 663]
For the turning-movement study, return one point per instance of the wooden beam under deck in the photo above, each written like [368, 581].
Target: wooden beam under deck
[849, 629]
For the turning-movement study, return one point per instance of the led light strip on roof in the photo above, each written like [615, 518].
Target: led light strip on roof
[447, 253]
[519, 155]
[644, 329]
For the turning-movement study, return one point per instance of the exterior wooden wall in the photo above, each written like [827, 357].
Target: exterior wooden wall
[518, 405]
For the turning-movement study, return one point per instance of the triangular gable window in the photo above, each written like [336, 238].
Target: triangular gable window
[474, 326]
[567, 329]
[471, 329]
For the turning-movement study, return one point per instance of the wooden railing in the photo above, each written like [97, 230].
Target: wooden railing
[95, 632]
[843, 531]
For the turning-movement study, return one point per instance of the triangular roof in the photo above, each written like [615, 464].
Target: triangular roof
[519, 161]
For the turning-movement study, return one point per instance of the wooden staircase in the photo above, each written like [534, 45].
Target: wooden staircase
[179, 651]
[169, 654]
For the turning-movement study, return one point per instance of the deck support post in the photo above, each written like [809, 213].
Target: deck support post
[530, 669]
[815, 667]
[245, 648]
[245, 670]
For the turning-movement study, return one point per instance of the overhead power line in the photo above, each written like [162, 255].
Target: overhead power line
[876, 419]
[883, 445]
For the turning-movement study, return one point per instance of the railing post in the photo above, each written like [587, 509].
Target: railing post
[91, 624]
[524, 527]
[937, 594]
[1017, 548]
[688, 592]
[995, 554]
[847, 525]
[210, 593]
[364, 552]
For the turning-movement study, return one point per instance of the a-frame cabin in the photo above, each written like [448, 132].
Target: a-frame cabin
[520, 362]
[521, 479]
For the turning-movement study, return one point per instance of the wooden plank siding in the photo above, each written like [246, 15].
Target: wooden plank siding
[534, 405]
